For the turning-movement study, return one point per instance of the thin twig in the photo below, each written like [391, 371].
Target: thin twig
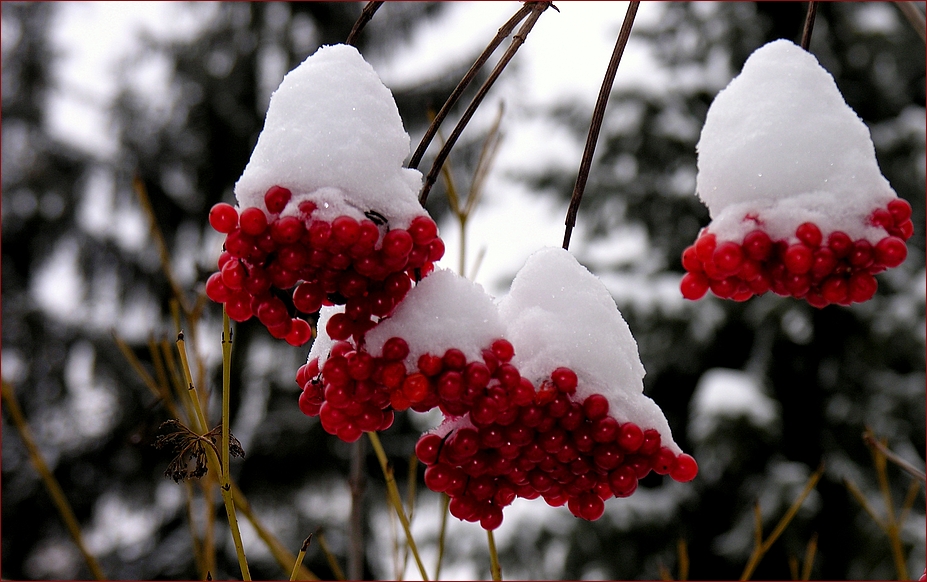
[494, 568]
[11, 405]
[760, 550]
[198, 557]
[597, 115]
[299, 558]
[368, 12]
[809, 25]
[357, 482]
[442, 533]
[891, 456]
[809, 557]
[164, 254]
[536, 9]
[892, 525]
[864, 503]
[283, 556]
[432, 130]
[682, 550]
[329, 556]
[393, 495]
[915, 18]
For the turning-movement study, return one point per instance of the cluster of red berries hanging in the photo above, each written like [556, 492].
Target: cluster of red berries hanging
[283, 268]
[835, 270]
[504, 435]
[799, 206]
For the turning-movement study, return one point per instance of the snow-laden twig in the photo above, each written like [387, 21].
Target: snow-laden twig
[519, 39]
[597, 115]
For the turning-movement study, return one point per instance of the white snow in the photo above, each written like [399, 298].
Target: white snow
[332, 124]
[322, 344]
[781, 142]
[722, 395]
[560, 314]
[443, 311]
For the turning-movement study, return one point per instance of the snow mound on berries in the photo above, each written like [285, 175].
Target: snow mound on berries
[560, 314]
[333, 135]
[442, 311]
[780, 142]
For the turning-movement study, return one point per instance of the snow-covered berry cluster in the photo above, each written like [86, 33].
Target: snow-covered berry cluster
[798, 204]
[821, 270]
[282, 268]
[556, 435]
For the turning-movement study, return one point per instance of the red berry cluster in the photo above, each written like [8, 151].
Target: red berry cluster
[551, 446]
[836, 270]
[512, 440]
[278, 267]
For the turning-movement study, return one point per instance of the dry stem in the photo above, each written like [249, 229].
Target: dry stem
[760, 546]
[51, 484]
[393, 495]
[809, 25]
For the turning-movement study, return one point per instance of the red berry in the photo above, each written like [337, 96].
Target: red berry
[798, 258]
[428, 447]
[346, 230]
[823, 263]
[286, 230]
[728, 257]
[690, 260]
[693, 286]
[900, 210]
[705, 247]
[395, 349]
[423, 230]
[300, 332]
[253, 221]
[861, 254]
[862, 287]
[605, 429]
[840, 243]
[834, 289]
[223, 218]
[272, 312]
[238, 307]
[565, 379]
[503, 350]
[437, 477]
[630, 437]
[276, 199]
[757, 245]
[623, 481]
[415, 387]
[397, 243]
[723, 288]
[684, 468]
[339, 326]
[809, 233]
[891, 251]
[906, 229]
[882, 217]
[595, 407]
[435, 250]
[589, 506]
[662, 462]
[608, 456]
[308, 297]
[491, 518]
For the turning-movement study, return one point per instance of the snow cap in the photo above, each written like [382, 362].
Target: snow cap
[780, 142]
[560, 314]
[333, 135]
[443, 311]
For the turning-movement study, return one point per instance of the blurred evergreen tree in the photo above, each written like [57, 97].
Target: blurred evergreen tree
[833, 371]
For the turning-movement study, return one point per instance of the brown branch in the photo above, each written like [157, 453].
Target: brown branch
[597, 115]
[891, 456]
[809, 25]
[915, 18]
[368, 12]
[358, 484]
[501, 35]
[536, 9]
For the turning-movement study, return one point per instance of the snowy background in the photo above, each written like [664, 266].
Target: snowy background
[760, 393]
